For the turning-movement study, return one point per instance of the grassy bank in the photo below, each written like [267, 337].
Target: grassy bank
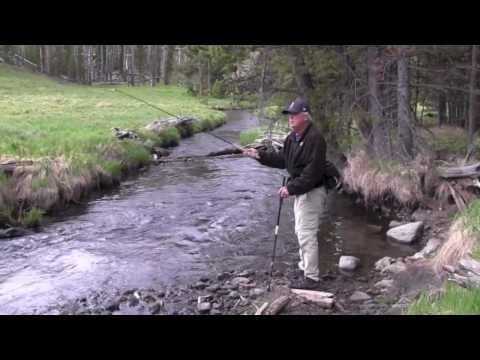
[66, 129]
[454, 300]
[463, 240]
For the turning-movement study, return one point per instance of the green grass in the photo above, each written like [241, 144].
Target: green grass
[43, 118]
[454, 301]
[33, 217]
[249, 136]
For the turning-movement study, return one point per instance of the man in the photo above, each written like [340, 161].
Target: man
[303, 155]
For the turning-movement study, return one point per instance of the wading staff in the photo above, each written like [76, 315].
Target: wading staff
[168, 113]
[276, 236]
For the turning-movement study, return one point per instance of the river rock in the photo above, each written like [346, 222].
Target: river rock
[432, 246]
[246, 273]
[223, 276]
[395, 268]
[233, 294]
[348, 263]
[254, 293]
[384, 284]
[383, 263]
[406, 233]
[240, 280]
[199, 285]
[155, 308]
[358, 296]
[213, 288]
[204, 307]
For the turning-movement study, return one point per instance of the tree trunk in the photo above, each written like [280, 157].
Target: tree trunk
[442, 101]
[405, 126]
[378, 138]
[168, 61]
[472, 100]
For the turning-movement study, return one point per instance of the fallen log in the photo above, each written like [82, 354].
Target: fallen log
[277, 305]
[459, 172]
[324, 299]
[261, 309]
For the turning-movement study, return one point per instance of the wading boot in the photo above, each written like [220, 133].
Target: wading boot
[304, 284]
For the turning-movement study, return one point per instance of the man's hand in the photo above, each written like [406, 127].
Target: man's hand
[283, 192]
[253, 153]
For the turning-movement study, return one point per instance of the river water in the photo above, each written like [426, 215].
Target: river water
[174, 223]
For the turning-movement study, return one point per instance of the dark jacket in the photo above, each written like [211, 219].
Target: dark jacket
[303, 159]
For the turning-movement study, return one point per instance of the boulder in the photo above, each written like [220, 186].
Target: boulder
[394, 223]
[406, 234]
[348, 263]
[358, 296]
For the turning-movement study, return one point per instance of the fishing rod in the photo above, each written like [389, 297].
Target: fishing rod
[179, 118]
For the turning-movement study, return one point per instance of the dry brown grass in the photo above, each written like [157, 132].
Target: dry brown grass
[460, 243]
[45, 185]
[377, 185]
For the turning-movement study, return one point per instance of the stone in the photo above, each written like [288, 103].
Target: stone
[348, 263]
[240, 280]
[215, 312]
[358, 296]
[420, 215]
[246, 273]
[406, 234]
[213, 288]
[204, 298]
[133, 301]
[432, 246]
[204, 307]
[223, 276]
[204, 279]
[234, 294]
[254, 293]
[385, 283]
[217, 305]
[155, 308]
[199, 285]
[395, 268]
[383, 263]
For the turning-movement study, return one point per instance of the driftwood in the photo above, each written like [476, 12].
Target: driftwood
[324, 299]
[459, 172]
[457, 198]
[261, 309]
[277, 305]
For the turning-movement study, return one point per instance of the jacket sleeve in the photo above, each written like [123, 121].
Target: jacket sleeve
[313, 172]
[272, 158]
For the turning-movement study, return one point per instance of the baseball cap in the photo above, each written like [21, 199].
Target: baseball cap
[297, 106]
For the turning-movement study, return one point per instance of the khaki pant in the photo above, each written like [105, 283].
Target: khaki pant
[309, 209]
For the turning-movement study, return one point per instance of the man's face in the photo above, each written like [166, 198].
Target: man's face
[296, 121]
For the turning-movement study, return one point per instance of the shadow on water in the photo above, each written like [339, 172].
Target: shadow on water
[172, 224]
